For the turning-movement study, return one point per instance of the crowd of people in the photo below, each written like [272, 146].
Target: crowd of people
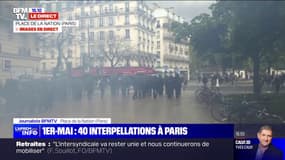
[142, 85]
[44, 93]
[274, 81]
[216, 79]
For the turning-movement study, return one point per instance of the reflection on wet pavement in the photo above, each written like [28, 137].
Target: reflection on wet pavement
[119, 109]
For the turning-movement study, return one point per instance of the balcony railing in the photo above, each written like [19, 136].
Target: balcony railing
[184, 58]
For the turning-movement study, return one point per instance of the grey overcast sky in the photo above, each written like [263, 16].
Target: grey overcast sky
[186, 9]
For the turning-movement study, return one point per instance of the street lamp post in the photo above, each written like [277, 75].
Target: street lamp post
[88, 47]
[87, 57]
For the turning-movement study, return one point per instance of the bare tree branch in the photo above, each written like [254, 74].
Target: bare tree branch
[114, 50]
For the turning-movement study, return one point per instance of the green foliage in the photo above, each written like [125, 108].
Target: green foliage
[180, 31]
[256, 26]
[240, 34]
[206, 35]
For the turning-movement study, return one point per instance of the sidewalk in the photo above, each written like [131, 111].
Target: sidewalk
[241, 86]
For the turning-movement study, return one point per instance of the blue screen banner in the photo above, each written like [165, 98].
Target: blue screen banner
[123, 131]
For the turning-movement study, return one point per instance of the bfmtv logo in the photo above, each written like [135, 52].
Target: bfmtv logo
[30, 132]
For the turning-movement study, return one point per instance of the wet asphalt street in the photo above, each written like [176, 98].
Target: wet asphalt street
[124, 109]
[119, 109]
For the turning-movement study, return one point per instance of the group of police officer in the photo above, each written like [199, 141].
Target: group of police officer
[143, 85]
[157, 85]
[44, 93]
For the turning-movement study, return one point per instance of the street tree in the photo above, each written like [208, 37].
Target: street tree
[207, 38]
[58, 42]
[256, 28]
[251, 32]
[115, 50]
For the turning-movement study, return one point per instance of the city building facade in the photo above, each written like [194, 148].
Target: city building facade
[116, 34]
[18, 51]
[174, 56]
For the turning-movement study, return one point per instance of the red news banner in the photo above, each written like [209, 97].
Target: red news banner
[44, 16]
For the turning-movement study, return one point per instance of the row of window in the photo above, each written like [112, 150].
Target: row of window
[103, 35]
[53, 54]
[172, 48]
[102, 8]
[117, 11]
[143, 35]
[21, 51]
[92, 49]
[24, 51]
[105, 9]
[176, 49]
[110, 21]
[145, 48]
[102, 21]
[144, 40]
[60, 6]
[110, 9]
[7, 65]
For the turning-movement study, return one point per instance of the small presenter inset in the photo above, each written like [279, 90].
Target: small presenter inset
[265, 150]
